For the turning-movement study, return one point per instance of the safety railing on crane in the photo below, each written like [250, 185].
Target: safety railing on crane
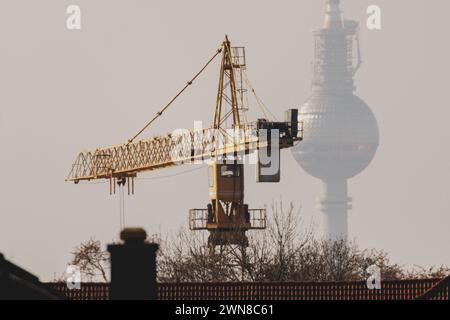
[199, 218]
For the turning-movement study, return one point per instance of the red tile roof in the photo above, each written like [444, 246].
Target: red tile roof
[391, 290]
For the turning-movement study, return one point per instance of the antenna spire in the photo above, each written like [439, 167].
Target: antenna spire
[333, 15]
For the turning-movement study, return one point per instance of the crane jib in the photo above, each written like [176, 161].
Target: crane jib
[177, 149]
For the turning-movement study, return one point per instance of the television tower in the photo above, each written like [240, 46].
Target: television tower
[340, 131]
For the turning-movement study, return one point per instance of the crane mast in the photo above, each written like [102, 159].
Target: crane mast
[223, 145]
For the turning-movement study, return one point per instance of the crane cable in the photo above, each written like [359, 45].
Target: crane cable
[160, 112]
[259, 101]
[121, 207]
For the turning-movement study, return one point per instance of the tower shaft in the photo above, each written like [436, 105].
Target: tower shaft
[333, 77]
[334, 205]
[341, 132]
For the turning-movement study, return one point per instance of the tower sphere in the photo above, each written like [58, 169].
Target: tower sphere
[340, 136]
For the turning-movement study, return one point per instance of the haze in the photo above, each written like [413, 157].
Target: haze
[63, 91]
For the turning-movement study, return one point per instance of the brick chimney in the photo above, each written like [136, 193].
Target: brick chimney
[133, 266]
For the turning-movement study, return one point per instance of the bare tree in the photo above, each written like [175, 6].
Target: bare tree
[434, 272]
[286, 251]
[286, 240]
[92, 260]
[186, 257]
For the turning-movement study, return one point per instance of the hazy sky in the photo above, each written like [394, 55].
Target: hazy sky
[63, 91]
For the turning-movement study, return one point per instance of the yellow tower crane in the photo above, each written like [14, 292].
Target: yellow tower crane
[226, 217]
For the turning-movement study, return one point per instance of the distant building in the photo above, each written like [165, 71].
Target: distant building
[340, 131]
